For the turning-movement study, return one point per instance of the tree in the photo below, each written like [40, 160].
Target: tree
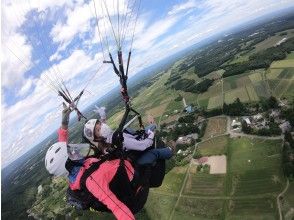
[272, 102]
[245, 128]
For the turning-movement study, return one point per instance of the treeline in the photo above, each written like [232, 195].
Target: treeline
[288, 156]
[261, 59]
[237, 108]
[190, 85]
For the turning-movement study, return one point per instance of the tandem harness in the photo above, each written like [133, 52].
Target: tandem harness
[133, 197]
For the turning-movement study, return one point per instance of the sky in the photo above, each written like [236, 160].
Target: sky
[47, 43]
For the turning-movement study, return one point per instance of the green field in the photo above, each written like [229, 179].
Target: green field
[159, 206]
[264, 208]
[261, 89]
[254, 178]
[172, 181]
[251, 93]
[255, 77]
[240, 93]
[291, 55]
[273, 73]
[191, 208]
[215, 102]
[287, 73]
[283, 64]
[282, 87]
[215, 146]
[202, 184]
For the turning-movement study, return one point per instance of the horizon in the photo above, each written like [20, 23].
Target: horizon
[21, 94]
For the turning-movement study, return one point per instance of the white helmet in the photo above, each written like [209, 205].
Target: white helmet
[55, 159]
[89, 129]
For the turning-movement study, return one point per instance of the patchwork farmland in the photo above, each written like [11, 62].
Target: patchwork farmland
[254, 178]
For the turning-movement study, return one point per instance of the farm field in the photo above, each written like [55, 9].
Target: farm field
[291, 55]
[193, 208]
[203, 184]
[259, 208]
[288, 202]
[282, 84]
[215, 102]
[214, 146]
[282, 64]
[272, 41]
[240, 93]
[247, 191]
[215, 126]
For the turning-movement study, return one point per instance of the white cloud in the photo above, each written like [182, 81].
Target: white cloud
[15, 53]
[77, 22]
[148, 36]
[26, 87]
[183, 7]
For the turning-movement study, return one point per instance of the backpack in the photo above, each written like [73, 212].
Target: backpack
[133, 197]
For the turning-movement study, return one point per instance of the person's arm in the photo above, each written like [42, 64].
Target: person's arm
[130, 143]
[63, 130]
[98, 185]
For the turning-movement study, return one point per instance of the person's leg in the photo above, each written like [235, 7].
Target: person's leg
[130, 131]
[152, 155]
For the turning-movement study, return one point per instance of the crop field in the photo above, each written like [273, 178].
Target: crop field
[214, 90]
[153, 95]
[261, 153]
[289, 93]
[203, 102]
[243, 81]
[172, 181]
[290, 56]
[215, 102]
[272, 41]
[282, 64]
[287, 73]
[227, 85]
[157, 111]
[255, 166]
[202, 184]
[282, 87]
[259, 208]
[215, 126]
[231, 81]
[256, 76]
[251, 93]
[159, 206]
[214, 146]
[240, 93]
[173, 106]
[192, 208]
[191, 98]
[261, 89]
[273, 73]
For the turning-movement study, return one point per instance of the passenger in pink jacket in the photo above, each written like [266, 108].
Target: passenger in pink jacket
[72, 156]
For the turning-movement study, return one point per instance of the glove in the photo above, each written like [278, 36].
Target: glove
[117, 139]
[150, 134]
[65, 114]
[101, 112]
